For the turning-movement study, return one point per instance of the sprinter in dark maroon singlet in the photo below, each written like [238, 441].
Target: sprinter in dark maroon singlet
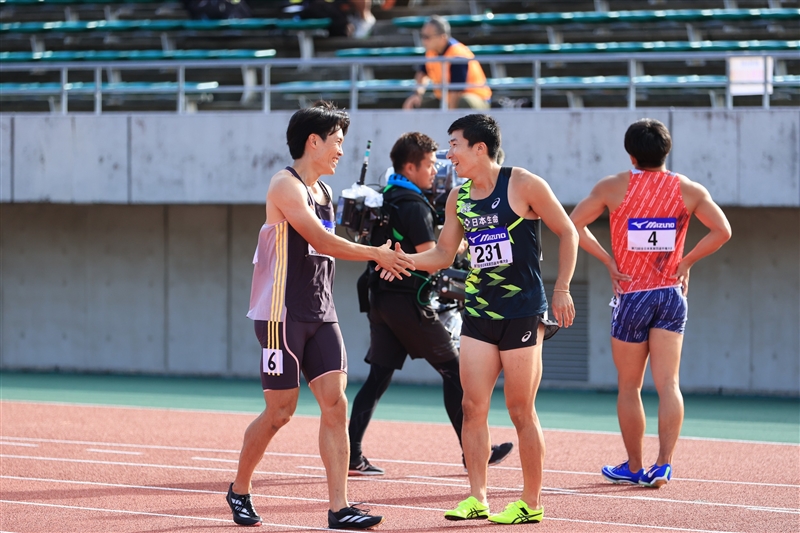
[291, 302]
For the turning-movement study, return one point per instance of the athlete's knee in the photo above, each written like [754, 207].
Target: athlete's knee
[625, 387]
[279, 416]
[475, 408]
[521, 413]
[668, 387]
[333, 404]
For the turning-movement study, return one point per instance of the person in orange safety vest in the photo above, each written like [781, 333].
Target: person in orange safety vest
[436, 38]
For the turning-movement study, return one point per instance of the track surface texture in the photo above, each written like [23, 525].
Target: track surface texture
[73, 468]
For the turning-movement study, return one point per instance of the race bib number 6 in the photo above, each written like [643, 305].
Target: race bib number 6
[651, 234]
[272, 361]
[489, 247]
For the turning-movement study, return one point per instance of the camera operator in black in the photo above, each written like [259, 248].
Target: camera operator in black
[401, 320]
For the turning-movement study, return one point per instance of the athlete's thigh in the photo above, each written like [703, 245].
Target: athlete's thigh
[324, 352]
[522, 372]
[479, 366]
[329, 389]
[630, 358]
[665, 356]
[281, 353]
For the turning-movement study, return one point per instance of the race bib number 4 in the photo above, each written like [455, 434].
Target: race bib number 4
[489, 247]
[330, 227]
[651, 234]
[272, 361]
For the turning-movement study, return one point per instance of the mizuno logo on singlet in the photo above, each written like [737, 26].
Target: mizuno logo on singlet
[652, 223]
[484, 237]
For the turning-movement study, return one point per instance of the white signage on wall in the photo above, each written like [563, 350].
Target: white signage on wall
[747, 75]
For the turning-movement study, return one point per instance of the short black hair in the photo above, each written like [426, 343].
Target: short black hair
[322, 118]
[479, 128]
[411, 148]
[649, 141]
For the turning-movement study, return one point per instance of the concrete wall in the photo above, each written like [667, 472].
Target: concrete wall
[149, 269]
[745, 157]
[164, 289]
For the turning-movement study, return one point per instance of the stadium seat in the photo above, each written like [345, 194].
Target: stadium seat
[605, 17]
[611, 47]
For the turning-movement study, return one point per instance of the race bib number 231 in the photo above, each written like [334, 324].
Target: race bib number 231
[489, 247]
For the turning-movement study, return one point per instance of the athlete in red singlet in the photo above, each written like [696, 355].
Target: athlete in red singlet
[649, 211]
[648, 230]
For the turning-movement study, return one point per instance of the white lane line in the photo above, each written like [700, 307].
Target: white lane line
[200, 491]
[372, 479]
[215, 460]
[312, 467]
[399, 461]
[171, 489]
[693, 480]
[148, 465]
[160, 515]
[120, 452]
[24, 444]
[316, 417]
[667, 528]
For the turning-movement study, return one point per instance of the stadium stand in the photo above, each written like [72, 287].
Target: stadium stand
[599, 53]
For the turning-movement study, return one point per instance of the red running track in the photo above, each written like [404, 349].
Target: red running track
[69, 468]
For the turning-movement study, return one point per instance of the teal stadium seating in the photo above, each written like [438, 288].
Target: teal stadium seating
[84, 26]
[336, 79]
[605, 17]
[132, 55]
[611, 47]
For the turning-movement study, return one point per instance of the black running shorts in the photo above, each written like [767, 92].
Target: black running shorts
[399, 326]
[316, 348]
[508, 334]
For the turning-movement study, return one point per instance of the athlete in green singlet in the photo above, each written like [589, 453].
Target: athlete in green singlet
[498, 211]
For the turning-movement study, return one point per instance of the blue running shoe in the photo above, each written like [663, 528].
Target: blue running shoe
[656, 476]
[622, 474]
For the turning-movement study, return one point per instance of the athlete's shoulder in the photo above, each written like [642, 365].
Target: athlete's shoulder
[522, 173]
[692, 191]
[613, 184]
[523, 177]
[281, 176]
[284, 187]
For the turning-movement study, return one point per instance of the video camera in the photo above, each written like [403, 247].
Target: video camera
[450, 285]
[360, 210]
[359, 207]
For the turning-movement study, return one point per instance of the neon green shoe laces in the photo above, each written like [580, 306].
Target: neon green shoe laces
[469, 509]
[518, 513]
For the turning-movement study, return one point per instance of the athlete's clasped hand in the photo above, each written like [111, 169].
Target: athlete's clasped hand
[616, 276]
[393, 263]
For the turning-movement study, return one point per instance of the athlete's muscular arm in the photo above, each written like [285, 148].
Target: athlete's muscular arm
[539, 197]
[442, 254]
[587, 211]
[698, 200]
[287, 199]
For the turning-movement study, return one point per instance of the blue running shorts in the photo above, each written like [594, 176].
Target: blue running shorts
[636, 313]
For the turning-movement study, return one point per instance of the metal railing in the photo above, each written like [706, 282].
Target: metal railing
[355, 86]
